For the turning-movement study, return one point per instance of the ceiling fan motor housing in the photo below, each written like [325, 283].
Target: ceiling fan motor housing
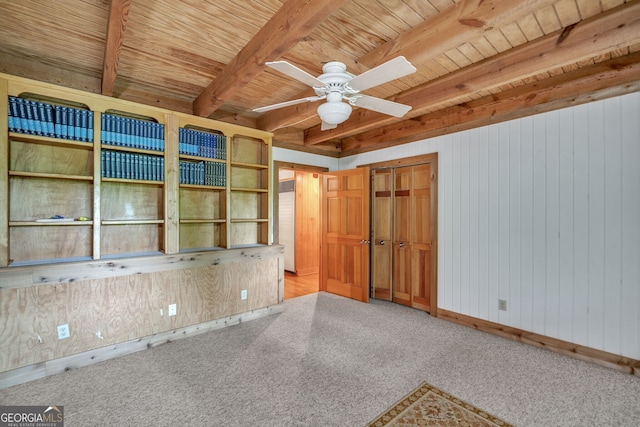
[334, 77]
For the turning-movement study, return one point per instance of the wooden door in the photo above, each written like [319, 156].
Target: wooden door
[421, 237]
[345, 233]
[382, 234]
[402, 236]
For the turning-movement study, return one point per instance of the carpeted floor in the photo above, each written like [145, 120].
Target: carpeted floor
[330, 361]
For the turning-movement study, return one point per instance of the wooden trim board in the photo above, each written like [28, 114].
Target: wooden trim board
[599, 357]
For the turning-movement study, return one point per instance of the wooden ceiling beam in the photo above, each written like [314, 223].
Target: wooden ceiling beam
[118, 13]
[461, 23]
[615, 77]
[458, 24]
[292, 22]
[599, 35]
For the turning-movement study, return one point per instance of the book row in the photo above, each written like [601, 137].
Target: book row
[203, 173]
[203, 144]
[132, 133]
[118, 164]
[45, 119]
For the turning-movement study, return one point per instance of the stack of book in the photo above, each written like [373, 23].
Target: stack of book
[44, 119]
[144, 167]
[202, 144]
[203, 173]
[133, 133]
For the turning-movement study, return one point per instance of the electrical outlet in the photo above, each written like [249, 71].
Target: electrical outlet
[63, 331]
[173, 309]
[243, 294]
[502, 304]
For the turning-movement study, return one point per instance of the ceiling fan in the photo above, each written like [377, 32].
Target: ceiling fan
[336, 85]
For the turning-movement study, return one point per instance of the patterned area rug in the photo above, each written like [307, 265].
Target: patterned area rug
[430, 406]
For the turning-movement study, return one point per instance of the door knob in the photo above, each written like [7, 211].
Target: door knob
[381, 242]
[401, 244]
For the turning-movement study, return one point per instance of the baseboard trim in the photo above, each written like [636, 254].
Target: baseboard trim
[603, 358]
[63, 364]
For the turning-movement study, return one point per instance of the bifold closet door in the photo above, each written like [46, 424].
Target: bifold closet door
[412, 236]
[382, 234]
[421, 237]
[402, 236]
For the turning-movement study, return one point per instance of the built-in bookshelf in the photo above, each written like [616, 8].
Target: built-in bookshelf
[92, 177]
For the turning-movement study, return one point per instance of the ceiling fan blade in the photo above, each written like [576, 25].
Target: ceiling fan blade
[287, 103]
[327, 126]
[380, 105]
[292, 71]
[390, 70]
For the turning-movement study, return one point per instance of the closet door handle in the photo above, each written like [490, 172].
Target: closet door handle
[401, 244]
[381, 242]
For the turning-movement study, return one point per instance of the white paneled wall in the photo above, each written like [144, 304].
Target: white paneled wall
[543, 212]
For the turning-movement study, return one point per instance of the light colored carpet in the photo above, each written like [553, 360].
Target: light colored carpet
[429, 406]
[330, 361]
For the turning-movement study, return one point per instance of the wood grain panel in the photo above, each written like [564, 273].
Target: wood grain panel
[39, 198]
[197, 203]
[140, 238]
[130, 201]
[116, 309]
[49, 242]
[9, 330]
[203, 236]
[29, 157]
[29, 343]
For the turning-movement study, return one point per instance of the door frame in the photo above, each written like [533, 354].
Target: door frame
[277, 165]
[431, 158]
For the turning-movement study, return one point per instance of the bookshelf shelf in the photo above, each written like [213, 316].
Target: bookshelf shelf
[203, 187]
[132, 181]
[203, 221]
[50, 224]
[249, 165]
[131, 221]
[250, 190]
[45, 140]
[132, 150]
[202, 159]
[50, 175]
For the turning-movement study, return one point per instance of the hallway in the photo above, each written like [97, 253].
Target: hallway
[297, 286]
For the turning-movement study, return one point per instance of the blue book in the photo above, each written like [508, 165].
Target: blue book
[57, 121]
[90, 126]
[71, 123]
[83, 125]
[136, 139]
[37, 120]
[50, 126]
[64, 117]
[13, 115]
[103, 164]
[103, 128]
[28, 113]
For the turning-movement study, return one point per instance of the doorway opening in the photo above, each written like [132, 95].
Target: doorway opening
[298, 225]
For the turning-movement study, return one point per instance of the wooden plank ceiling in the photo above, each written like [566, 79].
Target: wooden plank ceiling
[478, 61]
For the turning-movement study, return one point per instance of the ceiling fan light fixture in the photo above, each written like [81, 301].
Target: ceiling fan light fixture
[334, 113]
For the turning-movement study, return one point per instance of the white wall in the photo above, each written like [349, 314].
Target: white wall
[291, 156]
[545, 213]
